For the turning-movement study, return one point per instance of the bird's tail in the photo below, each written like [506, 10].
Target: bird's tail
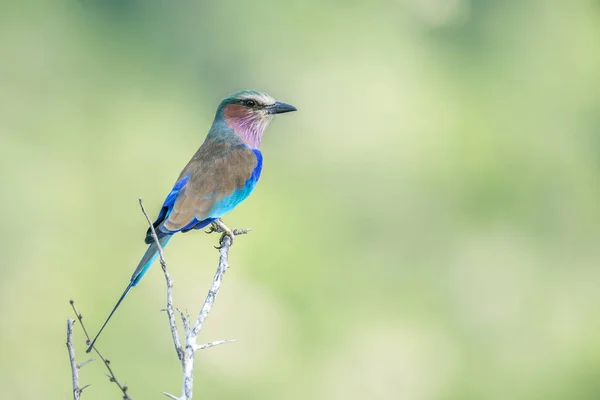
[148, 258]
[145, 263]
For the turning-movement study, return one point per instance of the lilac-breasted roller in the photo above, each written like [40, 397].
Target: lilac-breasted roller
[222, 173]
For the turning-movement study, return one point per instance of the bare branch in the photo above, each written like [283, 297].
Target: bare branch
[191, 335]
[218, 278]
[169, 309]
[85, 362]
[111, 375]
[185, 319]
[186, 354]
[74, 367]
[212, 344]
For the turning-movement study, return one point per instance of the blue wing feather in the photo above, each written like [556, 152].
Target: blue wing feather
[166, 208]
[172, 196]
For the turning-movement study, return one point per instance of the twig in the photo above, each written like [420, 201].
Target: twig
[111, 375]
[185, 319]
[216, 285]
[186, 356]
[212, 344]
[74, 366]
[163, 264]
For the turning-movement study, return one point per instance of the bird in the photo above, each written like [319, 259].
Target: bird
[221, 174]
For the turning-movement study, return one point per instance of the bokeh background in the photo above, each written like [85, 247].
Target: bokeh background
[426, 227]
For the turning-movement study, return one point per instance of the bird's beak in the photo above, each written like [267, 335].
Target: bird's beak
[280, 108]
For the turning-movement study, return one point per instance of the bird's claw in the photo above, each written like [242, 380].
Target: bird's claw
[231, 236]
[213, 228]
[219, 226]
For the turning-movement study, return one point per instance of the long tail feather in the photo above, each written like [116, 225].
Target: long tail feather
[148, 258]
[127, 289]
[145, 263]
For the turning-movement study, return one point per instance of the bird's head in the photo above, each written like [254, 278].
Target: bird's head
[249, 112]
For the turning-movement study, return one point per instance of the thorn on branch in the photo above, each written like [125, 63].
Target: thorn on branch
[85, 387]
[169, 395]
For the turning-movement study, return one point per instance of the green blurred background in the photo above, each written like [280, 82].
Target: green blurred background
[426, 227]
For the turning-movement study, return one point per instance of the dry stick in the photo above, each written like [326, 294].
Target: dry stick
[169, 309]
[111, 375]
[187, 356]
[74, 366]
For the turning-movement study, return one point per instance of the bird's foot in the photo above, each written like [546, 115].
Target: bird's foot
[213, 228]
[221, 227]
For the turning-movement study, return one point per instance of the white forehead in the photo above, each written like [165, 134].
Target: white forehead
[259, 97]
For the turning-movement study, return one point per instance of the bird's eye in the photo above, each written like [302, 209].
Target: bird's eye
[249, 103]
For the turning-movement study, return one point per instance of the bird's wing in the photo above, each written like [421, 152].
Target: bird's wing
[215, 181]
